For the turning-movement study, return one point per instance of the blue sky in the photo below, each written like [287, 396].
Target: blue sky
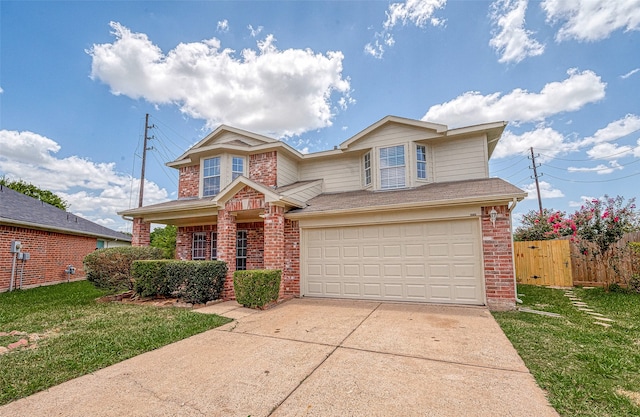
[78, 77]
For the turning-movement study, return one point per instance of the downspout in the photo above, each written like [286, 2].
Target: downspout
[513, 259]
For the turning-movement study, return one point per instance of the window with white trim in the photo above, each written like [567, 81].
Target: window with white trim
[237, 167]
[421, 162]
[392, 167]
[241, 250]
[367, 169]
[199, 246]
[211, 177]
[214, 246]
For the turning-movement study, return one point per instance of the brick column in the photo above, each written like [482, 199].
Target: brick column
[274, 247]
[227, 249]
[141, 233]
[291, 272]
[497, 247]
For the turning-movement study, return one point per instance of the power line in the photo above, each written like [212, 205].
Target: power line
[535, 176]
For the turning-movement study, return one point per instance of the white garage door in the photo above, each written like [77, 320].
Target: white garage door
[436, 261]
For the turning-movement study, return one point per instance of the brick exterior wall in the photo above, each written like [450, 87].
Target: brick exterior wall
[50, 253]
[291, 271]
[245, 199]
[263, 168]
[227, 249]
[497, 247]
[184, 240]
[141, 233]
[189, 181]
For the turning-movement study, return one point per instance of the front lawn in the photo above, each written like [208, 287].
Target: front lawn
[70, 334]
[586, 369]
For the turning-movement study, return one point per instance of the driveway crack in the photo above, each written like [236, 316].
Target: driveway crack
[339, 345]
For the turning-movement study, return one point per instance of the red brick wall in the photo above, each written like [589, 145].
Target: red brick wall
[245, 199]
[50, 253]
[291, 271]
[141, 233]
[263, 168]
[227, 249]
[255, 244]
[184, 240]
[189, 181]
[497, 247]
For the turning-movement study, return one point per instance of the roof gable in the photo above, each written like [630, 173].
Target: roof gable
[426, 126]
[227, 136]
[21, 210]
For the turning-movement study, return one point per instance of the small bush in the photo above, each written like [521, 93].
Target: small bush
[256, 288]
[110, 268]
[193, 281]
[150, 278]
[634, 283]
[200, 281]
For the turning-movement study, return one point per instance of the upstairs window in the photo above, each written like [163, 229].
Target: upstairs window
[211, 177]
[367, 169]
[392, 167]
[237, 167]
[199, 246]
[421, 161]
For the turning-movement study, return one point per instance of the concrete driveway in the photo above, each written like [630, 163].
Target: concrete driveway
[311, 357]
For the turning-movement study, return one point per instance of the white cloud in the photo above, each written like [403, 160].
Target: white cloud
[521, 105]
[614, 130]
[417, 12]
[546, 191]
[271, 91]
[609, 151]
[254, 32]
[512, 41]
[94, 190]
[223, 26]
[592, 20]
[543, 139]
[1, 90]
[600, 169]
[580, 203]
[629, 74]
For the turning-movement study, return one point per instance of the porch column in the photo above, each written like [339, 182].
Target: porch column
[274, 248]
[227, 249]
[497, 247]
[141, 233]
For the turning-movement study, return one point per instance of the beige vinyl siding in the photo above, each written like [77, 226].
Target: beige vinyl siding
[305, 193]
[287, 170]
[340, 173]
[227, 137]
[461, 159]
[392, 134]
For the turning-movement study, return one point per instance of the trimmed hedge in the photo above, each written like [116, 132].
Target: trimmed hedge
[256, 288]
[111, 268]
[193, 281]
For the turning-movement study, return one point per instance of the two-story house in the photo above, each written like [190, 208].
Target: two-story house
[403, 211]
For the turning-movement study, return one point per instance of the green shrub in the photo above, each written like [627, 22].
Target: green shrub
[150, 278]
[256, 288]
[192, 281]
[634, 283]
[200, 281]
[110, 268]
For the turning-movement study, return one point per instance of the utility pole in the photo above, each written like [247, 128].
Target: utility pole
[144, 156]
[535, 176]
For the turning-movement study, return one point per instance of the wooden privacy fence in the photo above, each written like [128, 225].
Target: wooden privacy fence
[560, 263]
[543, 262]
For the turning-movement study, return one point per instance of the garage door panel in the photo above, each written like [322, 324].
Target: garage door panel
[438, 261]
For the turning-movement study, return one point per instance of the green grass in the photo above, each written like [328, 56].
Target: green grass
[80, 335]
[581, 365]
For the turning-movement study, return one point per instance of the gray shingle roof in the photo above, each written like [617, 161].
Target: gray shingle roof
[429, 194]
[21, 210]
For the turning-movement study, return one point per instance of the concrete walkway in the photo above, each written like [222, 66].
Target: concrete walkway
[314, 358]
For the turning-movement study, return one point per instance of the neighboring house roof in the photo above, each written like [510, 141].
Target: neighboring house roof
[17, 209]
[442, 194]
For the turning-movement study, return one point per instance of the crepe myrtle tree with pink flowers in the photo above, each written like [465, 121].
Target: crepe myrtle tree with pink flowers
[550, 225]
[599, 225]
